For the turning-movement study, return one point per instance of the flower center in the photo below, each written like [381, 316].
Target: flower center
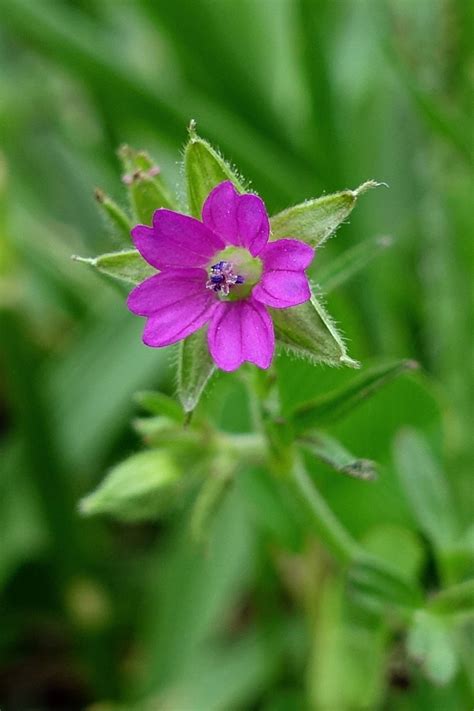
[233, 273]
[222, 278]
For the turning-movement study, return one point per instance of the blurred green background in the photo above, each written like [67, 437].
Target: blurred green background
[305, 97]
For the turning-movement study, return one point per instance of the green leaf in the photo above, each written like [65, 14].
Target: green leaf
[351, 261]
[400, 545]
[210, 498]
[159, 404]
[377, 584]
[338, 403]
[426, 488]
[146, 188]
[332, 452]
[195, 367]
[430, 643]
[127, 266]
[116, 217]
[204, 169]
[140, 488]
[308, 331]
[314, 221]
[457, 599]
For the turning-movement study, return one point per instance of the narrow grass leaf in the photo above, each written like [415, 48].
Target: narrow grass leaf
[338, 403]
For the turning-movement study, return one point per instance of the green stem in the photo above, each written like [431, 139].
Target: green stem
[324, 522]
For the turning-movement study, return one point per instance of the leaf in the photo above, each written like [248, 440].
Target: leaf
[204, 169]
[377, 584]
[158, 404]
[336, 404]
[400, 545]
[210, 498]
[195, 367]
[142, 487]
[116, 217]
[426, 488]
[332, 452]
[308, 331]
[314, 221]
[127, 266]
[457, 599]
[351, 261]
[146, 188]
[430, 643]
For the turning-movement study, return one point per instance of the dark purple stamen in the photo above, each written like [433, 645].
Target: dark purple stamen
[222, 278]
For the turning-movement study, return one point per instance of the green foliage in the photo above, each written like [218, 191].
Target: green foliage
[276, 607]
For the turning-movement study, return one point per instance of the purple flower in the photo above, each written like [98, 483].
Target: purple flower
[221, 271]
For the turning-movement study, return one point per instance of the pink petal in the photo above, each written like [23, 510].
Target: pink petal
[284, 283]
[176, 302]
[240, 220]
[241, 331]
[287, 254]
[282, 289]
[176, 240]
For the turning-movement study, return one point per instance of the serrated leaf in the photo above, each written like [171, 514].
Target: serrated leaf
[426, 488]
[430, 643]
[351, 261]
[377, 584]
[308, 331]
[336, 404]
[146, 188]
[195, 367]
[115, 216]
[204, 169]
[142, 487]
[127, 266]
[333, 453]
[314, 221]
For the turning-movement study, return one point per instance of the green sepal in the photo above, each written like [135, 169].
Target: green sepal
[205, 168]
[146, 188]
[117, 218]
[332, 452]
[337, 403]
[309, 331]
[142, 487]
[430, 643]
[195, 367]
[127, 266]
[314, 221]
